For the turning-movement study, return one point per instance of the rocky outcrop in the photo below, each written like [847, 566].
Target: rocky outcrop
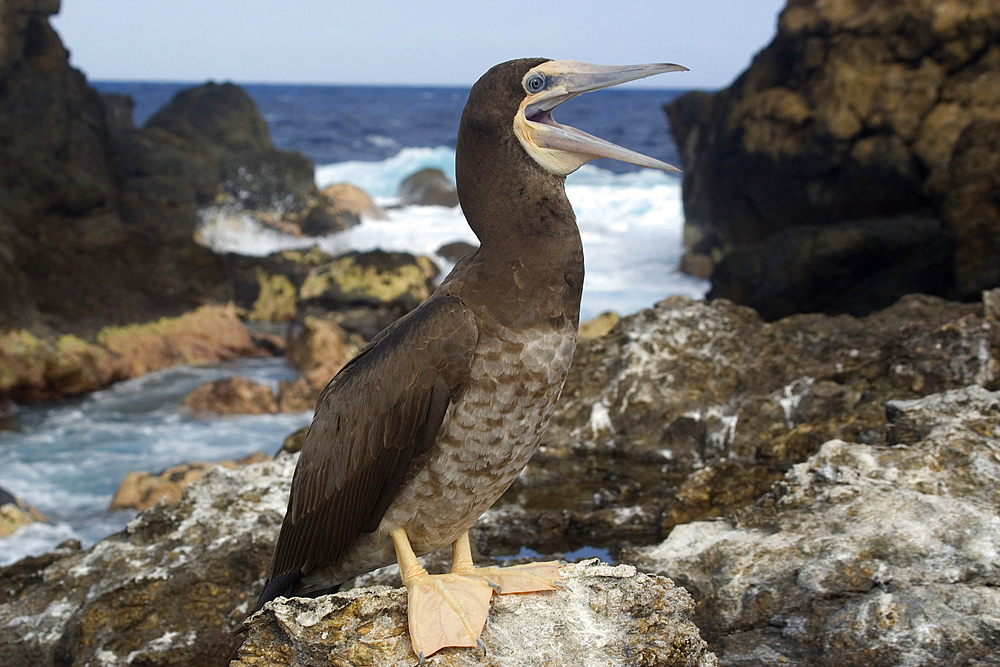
[78, 249]
[35, 369]
[854, 162]
[607, 615]
[98, 218]
[232, 396]
[877, 553]
[362, 291]
[691, 410]
[217, 144]
[351, 200]
[167, 590]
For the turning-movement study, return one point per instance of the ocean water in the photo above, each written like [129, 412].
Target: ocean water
[68, 458]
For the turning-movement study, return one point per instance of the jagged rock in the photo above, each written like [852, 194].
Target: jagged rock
[167, 590]
[37, 369]
[141, 490]
[608, 615]
[881, 553]
[690, 410]
[352, 200]
[856, 113]
[427, 187]
[78, 247]
[232, 396]
[15, 513]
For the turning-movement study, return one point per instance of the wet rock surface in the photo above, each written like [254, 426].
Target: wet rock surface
[856, 121]
[877, 553]
[606, 615]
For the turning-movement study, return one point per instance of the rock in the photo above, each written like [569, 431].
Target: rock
[319, 349]
[852, 267]
[599, 326]
[38, 369]
[363, 291]
[881, 551]
[427, 187]
[141, 490]
[376, 279]
[15, 513]
[352, 200]
[605, 615]
[167, 590]
[691, 410]
[854, 115]
[232, 396]
[456, 250]
[79, 248]
[222, 117]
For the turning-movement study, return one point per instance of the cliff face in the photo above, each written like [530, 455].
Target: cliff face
[75, 248]
[855, 161]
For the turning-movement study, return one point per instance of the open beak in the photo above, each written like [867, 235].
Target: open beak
[563, 149]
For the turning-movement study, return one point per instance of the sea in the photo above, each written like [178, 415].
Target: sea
[67, 458]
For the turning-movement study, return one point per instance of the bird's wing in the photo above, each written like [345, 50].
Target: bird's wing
[378, 412]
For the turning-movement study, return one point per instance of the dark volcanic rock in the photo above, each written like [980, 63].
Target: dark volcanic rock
[854, 115]
[77, 249]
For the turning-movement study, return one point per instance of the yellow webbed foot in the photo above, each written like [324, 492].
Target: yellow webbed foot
[527, 578]
[445, 610]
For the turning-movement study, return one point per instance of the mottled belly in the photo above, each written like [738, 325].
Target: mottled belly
[488, 436]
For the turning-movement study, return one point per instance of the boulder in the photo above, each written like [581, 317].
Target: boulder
[882, 553]
[141, 490]
[318, 348]
[608, 615]
[14, 513]
[427, 187]
[456, 250]
[232, 396]
[844, 130]
[352, 200]
[377, 279]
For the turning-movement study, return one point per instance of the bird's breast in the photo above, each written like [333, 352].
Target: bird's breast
[489, 433]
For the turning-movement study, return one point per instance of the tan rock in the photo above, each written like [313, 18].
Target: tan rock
[599, 326]
[352, 199]
[14, 513]
[606, 615]
[232, 396]
[141, 490]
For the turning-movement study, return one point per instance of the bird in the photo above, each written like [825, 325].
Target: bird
[421, 432]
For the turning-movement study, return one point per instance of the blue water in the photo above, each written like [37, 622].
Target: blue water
[342, 123]
[67, 459]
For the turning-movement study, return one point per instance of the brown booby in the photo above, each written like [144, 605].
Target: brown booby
[421, 432]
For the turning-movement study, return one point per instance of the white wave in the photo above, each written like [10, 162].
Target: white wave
[381, 179]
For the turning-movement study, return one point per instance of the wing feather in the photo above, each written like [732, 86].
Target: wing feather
[382, 409]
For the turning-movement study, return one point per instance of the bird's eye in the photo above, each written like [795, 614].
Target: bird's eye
[535, 83]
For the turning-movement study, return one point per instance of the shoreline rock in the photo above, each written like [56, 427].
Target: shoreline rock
[608, 615]
[855, 161]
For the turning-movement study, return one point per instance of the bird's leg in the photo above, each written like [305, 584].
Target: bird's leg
[527, 578]
[442, 610]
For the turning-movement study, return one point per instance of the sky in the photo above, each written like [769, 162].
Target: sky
[393, 42]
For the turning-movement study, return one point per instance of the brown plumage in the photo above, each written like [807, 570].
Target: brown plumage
[437, 416]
